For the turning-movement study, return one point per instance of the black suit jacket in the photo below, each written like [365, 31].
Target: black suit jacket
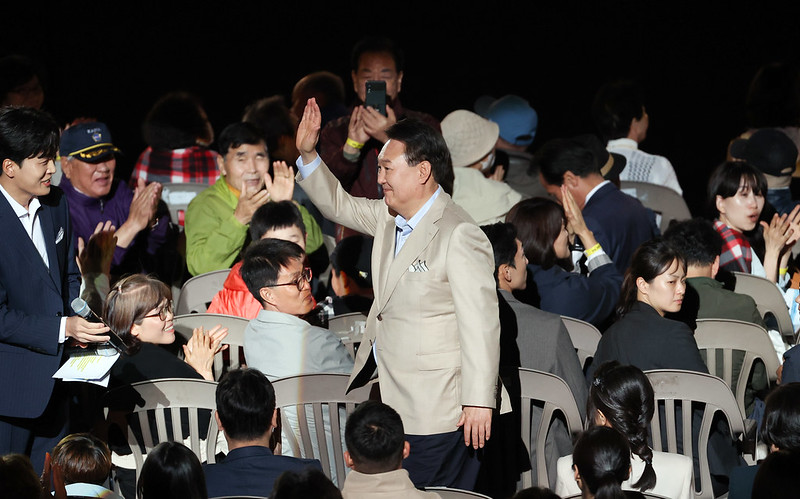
[619, 222]
[251, 471]
[33, 299]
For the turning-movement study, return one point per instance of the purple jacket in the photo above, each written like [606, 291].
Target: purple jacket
[87, 212]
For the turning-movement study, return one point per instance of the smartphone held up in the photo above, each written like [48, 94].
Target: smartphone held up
[376, 95]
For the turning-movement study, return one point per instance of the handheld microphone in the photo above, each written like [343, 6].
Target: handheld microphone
[80, 307]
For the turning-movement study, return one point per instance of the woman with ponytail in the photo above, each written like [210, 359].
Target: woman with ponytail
[621, 397]
[643, 337]
[654, 285]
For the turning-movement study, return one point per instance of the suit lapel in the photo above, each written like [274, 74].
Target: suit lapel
[386, 258]
[46, 219]
[416, 243]
[16, 236]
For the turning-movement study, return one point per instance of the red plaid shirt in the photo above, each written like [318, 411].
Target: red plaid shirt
[736, 252]
[193, 164]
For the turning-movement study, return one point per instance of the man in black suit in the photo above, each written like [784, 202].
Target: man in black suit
[246, 414]
[38, 279]
[620, 223]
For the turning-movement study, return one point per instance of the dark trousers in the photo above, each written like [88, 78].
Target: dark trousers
[35, 437]
[442, 460]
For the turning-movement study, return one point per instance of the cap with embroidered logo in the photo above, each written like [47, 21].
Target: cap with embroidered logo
[89, 142]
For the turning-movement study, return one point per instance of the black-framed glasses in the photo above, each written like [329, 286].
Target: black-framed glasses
[162, 313]
[304, 277]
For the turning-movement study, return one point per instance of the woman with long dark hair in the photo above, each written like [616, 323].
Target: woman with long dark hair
[545, 230]
[642, 336]
[621, 397]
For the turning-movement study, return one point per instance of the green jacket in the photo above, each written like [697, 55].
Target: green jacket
[214, 237]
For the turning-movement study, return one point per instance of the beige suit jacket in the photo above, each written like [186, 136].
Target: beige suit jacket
[434, 320]
[389, 485]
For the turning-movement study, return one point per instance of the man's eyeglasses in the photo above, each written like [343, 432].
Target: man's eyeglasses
[162, 313]
[304, 277]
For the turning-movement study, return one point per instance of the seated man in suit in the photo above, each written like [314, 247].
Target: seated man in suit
[246, 415]
[376, 447]
[705, 298]
[533, 339]
[619, 222]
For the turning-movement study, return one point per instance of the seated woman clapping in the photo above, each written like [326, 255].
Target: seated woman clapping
[139, 310]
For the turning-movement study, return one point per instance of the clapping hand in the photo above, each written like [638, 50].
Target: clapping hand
[202, 346]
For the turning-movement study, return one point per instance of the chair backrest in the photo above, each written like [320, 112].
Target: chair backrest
[769, 301]
[666, 203]
[197, 292]
[584, 336]
[539, 386]
[449, 493]
[346, 324]
[315, 392]
[677, 388]
[727, 336]
[134, 408]
[349, 328]
[647, 495]
[177, 196]
[233, 357]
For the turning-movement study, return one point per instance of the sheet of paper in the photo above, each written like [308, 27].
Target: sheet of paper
[88, 368]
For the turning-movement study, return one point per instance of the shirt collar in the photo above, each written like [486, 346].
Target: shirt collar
[20, 210]
[624, 142]
[401, 222]
[596, 188]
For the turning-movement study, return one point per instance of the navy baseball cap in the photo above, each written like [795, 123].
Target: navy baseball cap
[89, 142]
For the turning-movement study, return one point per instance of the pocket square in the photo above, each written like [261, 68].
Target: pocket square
[60, 235]
[419, 266]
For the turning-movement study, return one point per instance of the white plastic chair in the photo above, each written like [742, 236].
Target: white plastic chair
[148, 401]
[197, 292]
[177, 196]
[450, 493]
[769, 301]
[584, 336]
[234, 358]
[727, 336]
[666, 203]
[324, 392]
[556, 395]
[679, 388]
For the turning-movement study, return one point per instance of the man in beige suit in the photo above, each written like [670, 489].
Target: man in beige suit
[433, 329]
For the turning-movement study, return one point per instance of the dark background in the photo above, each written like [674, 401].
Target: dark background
[111, 60]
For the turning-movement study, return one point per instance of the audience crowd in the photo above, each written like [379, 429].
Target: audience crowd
[568, 238]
